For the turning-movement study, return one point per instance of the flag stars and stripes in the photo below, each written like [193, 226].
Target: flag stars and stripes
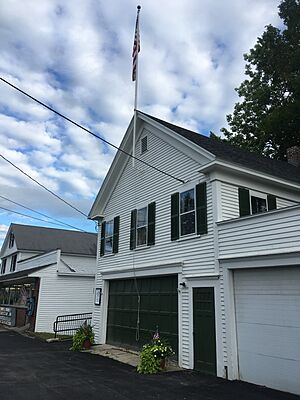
[136, 45]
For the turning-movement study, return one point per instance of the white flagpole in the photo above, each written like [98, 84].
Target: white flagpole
[137, 33]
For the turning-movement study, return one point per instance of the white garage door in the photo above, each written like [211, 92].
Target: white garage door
[268, 326]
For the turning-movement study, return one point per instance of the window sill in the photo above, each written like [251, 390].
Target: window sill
[108, 255]
[188, 237]
[142, 248]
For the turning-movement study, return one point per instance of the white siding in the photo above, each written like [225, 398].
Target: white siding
[223, 317]
[186, 323]
[281, 203]
[61, 295]
[140, 187]
[79, 263]
[230, 201]
[98, 283]
[268, 233]
[137, 188]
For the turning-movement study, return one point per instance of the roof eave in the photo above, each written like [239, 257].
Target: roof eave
[237, 168]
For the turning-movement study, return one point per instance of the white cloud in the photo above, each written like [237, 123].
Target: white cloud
[76, 57]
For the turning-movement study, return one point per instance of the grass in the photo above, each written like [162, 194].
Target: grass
[48, 335]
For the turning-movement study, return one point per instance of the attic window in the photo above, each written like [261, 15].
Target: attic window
[11, 240]
[144, 145]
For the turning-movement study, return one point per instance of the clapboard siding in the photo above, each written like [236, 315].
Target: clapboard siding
[223, 317]
[141, 186]
[229, 201]
[136, 188]
[262, 233]
[186, 343]
[61, 295]
[98, 283]
[281, 203]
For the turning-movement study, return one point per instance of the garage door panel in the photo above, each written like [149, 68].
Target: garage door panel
[280, 346]
[158, 308]
[281, 377]
[267, 303]
[274, 309]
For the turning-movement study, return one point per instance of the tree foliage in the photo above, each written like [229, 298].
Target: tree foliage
[267, 120]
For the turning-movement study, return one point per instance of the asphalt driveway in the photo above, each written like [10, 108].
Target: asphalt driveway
[34, 370]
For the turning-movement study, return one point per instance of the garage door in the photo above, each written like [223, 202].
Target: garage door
[158, 308]
[268, 326]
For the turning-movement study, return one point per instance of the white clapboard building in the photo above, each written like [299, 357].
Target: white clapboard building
[45, 272]
[206, 248]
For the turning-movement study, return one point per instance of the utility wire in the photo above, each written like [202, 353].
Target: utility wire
[90, 132]
[43, 215]
[29, 216]
[44, 187]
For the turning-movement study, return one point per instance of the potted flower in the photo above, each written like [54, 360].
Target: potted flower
[84, 337]
[153, 355]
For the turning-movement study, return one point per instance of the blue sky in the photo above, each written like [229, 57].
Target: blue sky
[76, 56]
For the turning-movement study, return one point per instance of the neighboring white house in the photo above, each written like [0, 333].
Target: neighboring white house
[207, 252]
[45, 272]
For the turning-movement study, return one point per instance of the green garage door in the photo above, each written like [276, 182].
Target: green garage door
[158, 307]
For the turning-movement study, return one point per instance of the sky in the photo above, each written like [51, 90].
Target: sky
[75, 56]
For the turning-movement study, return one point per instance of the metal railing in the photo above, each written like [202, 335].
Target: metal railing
[71, 323]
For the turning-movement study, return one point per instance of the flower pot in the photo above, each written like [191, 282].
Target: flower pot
[162, 363]
[87, 344]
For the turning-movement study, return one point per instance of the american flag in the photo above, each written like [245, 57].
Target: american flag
[136, 45]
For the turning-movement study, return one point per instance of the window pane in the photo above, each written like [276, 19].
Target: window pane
[258, 205]
[108, 245]
[141, 236]
[109, 228]
[187, 202]
[187, 223]
[141, 217]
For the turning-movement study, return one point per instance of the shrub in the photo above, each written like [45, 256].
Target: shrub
[152, 354]
[85, 332]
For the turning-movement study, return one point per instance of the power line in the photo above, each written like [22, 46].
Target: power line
[29, 216]
[43, 215]
[44, 187]
[90, 132]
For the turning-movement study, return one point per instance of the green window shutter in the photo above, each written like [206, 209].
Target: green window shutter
[151, 224]
[201, 208]
[271, 202]
[133, 230]
[175, 216]
[115, 247]
[244, 202]
[102, 241]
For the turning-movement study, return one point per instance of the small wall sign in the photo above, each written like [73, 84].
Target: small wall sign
[98, 295]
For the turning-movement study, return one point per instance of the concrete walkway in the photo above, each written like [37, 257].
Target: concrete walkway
[36, 370]
[126, 356]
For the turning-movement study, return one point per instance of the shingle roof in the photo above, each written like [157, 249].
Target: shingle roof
[227, 152]
[42, 239]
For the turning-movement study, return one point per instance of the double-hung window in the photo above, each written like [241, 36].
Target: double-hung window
[13, 263]
[11, 240]
[252, 202]
[189, 212]
[142, 227]
[3, 266]
[110, 236]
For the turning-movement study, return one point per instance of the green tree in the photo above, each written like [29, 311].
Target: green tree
[267, 120]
